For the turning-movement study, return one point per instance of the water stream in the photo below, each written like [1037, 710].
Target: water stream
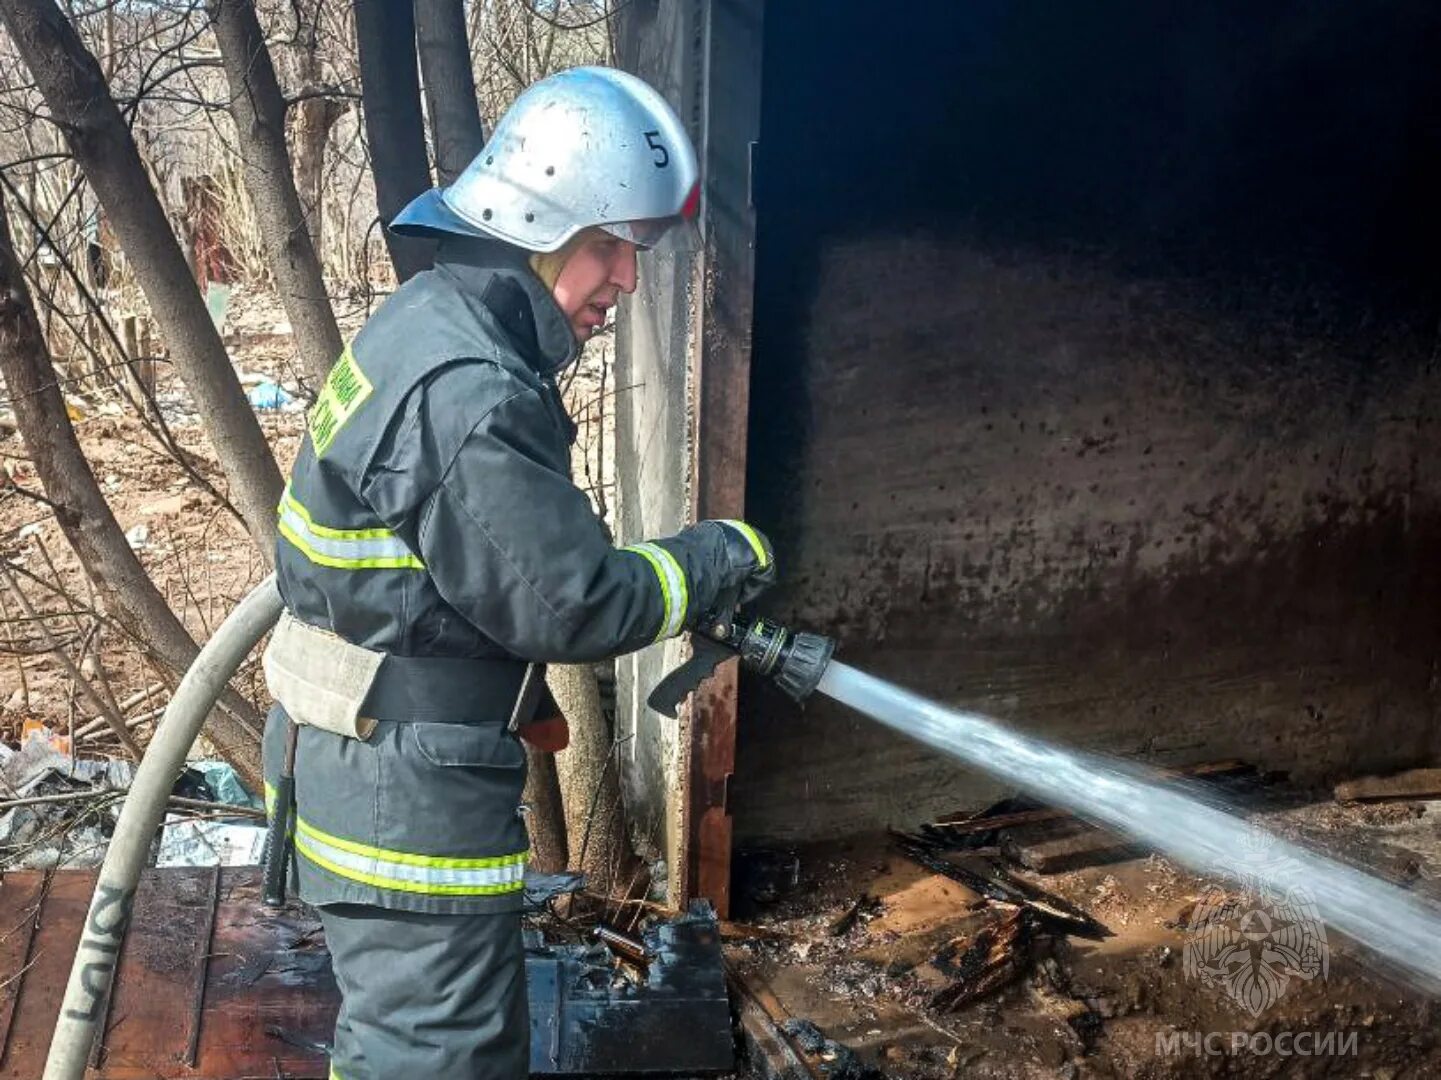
[1403, 928]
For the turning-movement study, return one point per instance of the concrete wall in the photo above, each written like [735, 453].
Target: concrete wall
[1094, 388]
[654, 441]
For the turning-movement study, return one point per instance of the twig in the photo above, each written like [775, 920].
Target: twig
[117, 725]
[19, 660]
[115, 794]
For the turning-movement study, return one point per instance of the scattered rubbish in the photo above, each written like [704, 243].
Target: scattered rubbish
[985, 877]
[57, 811]
[34, 528]
[33, 730]
[780, 1046]
[1411, 784]
[217, 302]
[270, 396]
[138, 536]
[626, 948]
[1048, 850]
[997, 955]
[864, 906]
[541, 889]
[764, 875]
[223, 784]
[187, 841]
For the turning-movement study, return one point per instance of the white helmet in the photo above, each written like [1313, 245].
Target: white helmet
[591, 146]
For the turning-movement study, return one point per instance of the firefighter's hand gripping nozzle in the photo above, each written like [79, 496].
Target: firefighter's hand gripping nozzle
[794, 661]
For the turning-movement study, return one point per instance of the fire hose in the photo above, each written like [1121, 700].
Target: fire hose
[109, 915]
[795, 661]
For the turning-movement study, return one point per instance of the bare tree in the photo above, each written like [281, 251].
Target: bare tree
[259, 112]
[546, 820]
[84, 515]
[589, 784]
[316, 111]
[81, 104]
[455, 127]
[394, 127]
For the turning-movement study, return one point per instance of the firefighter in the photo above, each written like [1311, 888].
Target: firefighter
[433, 547]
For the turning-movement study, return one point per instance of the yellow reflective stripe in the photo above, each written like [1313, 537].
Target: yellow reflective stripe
[675, 592]
[288, 500]
[335, 1075]
[270, 807]
[407, 859]
[343, 549]
[753, 538]
[395, 884]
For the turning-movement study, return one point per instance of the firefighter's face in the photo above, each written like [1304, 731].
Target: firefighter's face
[600, 268]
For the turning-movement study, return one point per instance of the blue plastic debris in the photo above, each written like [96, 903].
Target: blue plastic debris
[269, 395]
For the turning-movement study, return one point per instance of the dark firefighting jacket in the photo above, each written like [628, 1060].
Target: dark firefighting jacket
[431, 517]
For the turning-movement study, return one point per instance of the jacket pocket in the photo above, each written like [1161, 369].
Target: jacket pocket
[486, 746]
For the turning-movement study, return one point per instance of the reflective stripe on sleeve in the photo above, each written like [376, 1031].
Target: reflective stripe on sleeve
[343, 549]
[674, 591]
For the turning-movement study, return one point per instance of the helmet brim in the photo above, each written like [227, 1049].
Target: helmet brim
[428, 215]
[665, 235]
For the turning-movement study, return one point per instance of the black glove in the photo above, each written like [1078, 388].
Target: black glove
[750, 558]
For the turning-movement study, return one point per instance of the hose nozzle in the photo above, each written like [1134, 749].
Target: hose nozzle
[795, 661]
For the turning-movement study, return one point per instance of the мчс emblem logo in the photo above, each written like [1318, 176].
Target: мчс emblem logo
[1252, 943]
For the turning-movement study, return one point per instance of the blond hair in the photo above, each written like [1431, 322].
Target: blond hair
[548, 264]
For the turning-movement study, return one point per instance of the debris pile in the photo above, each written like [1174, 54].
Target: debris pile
[1021, 941]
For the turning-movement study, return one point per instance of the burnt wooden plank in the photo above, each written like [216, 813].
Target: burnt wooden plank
[1411, 784]
[61, 919]
[148, 1031]
[270, 996]
[20, 898]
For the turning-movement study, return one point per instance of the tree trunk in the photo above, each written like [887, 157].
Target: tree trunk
[85, 516]
[259, 113]
[315, 116]
[394, 127]
[546, 820]
[455, 126]
[589, 785]
[70, 80]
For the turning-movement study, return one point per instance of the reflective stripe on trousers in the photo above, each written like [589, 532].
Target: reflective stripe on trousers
[383, 868]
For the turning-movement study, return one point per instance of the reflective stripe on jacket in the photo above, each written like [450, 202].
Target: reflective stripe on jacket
[431, 513]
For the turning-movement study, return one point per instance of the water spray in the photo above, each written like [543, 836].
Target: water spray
[1401, 927]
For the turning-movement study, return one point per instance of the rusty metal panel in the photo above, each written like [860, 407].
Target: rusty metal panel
[270, 997]
[722, 388]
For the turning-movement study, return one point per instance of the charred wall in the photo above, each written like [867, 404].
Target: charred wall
[1094, 386]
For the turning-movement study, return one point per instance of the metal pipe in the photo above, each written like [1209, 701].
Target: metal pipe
[109, 916]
